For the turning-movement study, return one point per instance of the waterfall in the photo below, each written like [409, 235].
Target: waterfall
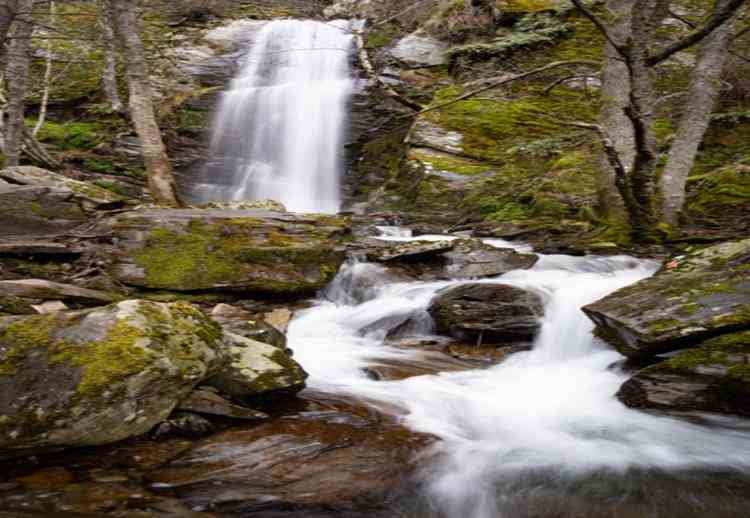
[279, 129]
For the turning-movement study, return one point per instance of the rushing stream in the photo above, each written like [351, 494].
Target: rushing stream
[278, 133]
[540, 430]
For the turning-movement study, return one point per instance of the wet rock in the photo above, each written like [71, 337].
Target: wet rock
[703, 294]
[419, 50]
[48, 290]
[99, 376]
[279, 319]
[295, 467]
[223, 250]
[38, 210]
[257, 369]
[487, 313]
[185, 424]
[87, 195]
[712, 377]
[412, 251]
[240, 322]
[262, 205]
[204, 401]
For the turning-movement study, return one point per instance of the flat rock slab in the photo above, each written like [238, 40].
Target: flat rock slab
[26, 248]
[47, 290]
[412, 251]
[703, 294]
[420, 50]
[38, 210]
[241, 251]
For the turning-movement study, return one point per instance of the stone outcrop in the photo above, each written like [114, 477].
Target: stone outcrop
[38, 210]
[703, 294]
[712, 377]
[419, 50]
[487, 313]
[99, 376]
[47, 290]
[241, 251]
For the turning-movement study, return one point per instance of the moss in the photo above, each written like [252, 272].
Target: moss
[107, 361]
[450, 163]
[714, 352]
[15, 305]
[71, 135]
[21, 336]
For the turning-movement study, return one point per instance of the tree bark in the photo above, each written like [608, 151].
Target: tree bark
[47, 76]
[703, 93]
[17, 78]
[8, 10]
[616, 93]
[109, 74]
[158, 168]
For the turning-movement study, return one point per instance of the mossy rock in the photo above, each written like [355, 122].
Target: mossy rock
[712, 377]
[694, 297]
[235, 251]
[99, 376]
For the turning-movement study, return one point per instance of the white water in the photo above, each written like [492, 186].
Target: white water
[278, 133]
[551, 409]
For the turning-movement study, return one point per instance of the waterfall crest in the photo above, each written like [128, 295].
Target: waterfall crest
[279, 129]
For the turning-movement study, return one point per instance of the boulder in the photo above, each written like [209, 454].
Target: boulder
[241, 251]
[99, 376]
[240, 322]
[38, 210]
[204, 401]
[47, 290]
[418, 50]
[411, 251]
[87, 195]
[487, 313]
[694, 297]
[257, 369]
[427, 134]
[24, 247]
[712, 377]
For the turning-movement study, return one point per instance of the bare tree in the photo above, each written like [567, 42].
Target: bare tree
[109, 74]
[17, 77]
[47, 75]
[158, 168]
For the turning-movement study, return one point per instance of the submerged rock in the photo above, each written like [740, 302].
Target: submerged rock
[713, 377]
[703, 294]
[487, 313]
[99, 376]
[242, 251]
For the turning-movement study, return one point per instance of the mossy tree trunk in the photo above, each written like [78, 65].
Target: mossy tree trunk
[17, 77]
[109, 73]
[158, 168]
[701, 98]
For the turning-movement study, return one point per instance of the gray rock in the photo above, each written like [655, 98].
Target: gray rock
[207, 402]
[472, 259]
[240, 322]
[425, 133]
[38, 211]
[257, 369]
[411, 251]
[223, 250]
[99, 376]
[703, 294]
[23, 247]
[713, 377]
[48, 290]
[487, 313]
[419, 50]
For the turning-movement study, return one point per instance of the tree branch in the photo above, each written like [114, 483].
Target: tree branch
[600, 26]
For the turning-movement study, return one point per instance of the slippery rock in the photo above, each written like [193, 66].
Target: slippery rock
[47, 290]
[204, 401]
[712, 377]
[257, 369]
[87, 195]
[241, 251]
[413, 251]
[419, 50]
[703, 294]
[487, 313]
[99, 376]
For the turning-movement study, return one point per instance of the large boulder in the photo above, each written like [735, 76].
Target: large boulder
[99, 376]
[257, 369]
[38, 210]
[241, 251]
[713, 377]
[487, 313]
[703, 294]
[419, 50]
[87, 195]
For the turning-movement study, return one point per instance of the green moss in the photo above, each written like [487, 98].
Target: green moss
[18, 338]
[450, 163]
[713, 352]
[70, 135]
[107, 361]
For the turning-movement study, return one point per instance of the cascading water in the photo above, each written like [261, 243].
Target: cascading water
[278, 133]
[540, 434]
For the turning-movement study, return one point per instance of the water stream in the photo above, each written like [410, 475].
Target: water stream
[543, 426]
[279, 129]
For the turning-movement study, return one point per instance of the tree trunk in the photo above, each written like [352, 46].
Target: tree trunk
[17, 78]
[7, 13]
[703, 93]
[158, 168]
[47, 76]
[109, 74]
[616, 93]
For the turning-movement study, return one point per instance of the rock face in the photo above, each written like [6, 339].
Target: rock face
[47, 290]
[420, 50]
[241, 251]
[487, 313]
[704, 294]
[460, 259]
[257, 369]
[38, 210]
[713, 377]
[99, 376]
[87, 195]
